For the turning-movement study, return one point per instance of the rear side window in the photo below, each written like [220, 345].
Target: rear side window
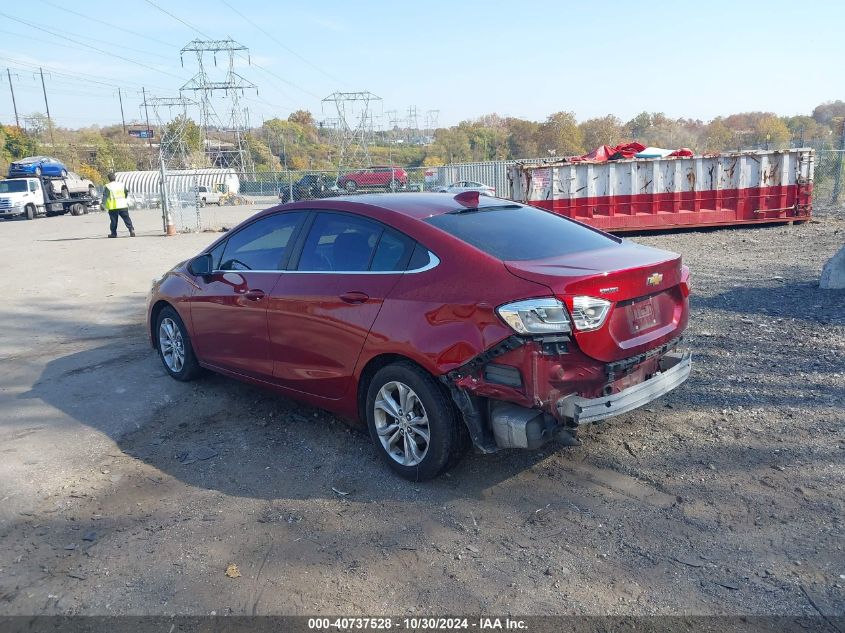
[262, 245]
[341, 243]
[392, 253]
[515, 232]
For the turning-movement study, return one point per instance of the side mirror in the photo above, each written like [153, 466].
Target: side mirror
[201, 265]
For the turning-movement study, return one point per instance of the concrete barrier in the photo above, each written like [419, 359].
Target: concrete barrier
[833, 273]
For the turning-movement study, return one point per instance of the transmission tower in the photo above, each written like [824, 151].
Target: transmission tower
[413, 123]
[392, 124]
[431, 120]
[171, 116]
[354, 132]
[235, 155]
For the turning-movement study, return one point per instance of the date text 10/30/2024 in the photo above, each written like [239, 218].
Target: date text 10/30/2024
[417, 624]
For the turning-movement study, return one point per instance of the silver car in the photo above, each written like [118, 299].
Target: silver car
[469, 185]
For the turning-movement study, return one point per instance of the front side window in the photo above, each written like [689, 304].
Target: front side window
[263, 245]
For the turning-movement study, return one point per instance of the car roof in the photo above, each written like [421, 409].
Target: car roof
[414, 205]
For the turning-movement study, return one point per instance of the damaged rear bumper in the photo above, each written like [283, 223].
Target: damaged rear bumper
[674, 370]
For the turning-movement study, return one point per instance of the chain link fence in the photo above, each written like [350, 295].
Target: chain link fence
[829, 178]
[200, 204]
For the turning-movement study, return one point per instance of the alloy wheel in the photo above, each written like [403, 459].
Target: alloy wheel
[172, 345]
[402, 423]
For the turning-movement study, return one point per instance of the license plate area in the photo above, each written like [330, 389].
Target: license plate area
[642, 314]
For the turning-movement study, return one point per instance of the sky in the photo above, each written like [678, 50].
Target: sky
[462, 58]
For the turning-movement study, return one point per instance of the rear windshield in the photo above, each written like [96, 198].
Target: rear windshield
[516, 232]
[12, 186]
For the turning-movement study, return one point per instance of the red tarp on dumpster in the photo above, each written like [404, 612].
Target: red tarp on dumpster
[606, 152]
[625, 150]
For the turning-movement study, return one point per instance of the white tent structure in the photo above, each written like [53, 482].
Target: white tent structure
[178, 180]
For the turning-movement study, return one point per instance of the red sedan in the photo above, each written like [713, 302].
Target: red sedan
[441, 322]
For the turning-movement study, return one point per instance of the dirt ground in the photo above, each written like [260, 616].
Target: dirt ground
[726, 497]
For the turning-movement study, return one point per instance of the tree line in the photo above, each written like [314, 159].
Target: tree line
[300, 142]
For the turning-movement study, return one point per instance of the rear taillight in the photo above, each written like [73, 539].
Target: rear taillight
[536, 316]
[685, 281]
[589, 313]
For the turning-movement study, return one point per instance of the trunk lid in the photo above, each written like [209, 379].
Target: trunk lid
[643, 284]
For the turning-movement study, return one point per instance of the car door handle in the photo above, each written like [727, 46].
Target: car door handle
[254, 295]
[354, 297]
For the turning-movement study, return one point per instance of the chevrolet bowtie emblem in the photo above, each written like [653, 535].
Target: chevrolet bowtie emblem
[654, 279]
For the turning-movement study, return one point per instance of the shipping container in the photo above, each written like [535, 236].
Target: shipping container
[662, 193]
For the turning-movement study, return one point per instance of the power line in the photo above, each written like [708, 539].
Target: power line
[29, 38]
[178, 19]
[282, 44]
[99, 50]
[97, 79]
[108, 24]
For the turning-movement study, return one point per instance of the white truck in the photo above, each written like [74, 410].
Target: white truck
[32, 196]
[201, 196]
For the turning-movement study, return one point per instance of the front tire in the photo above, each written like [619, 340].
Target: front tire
[30, 212]
[174, 346]
[350, 186]
[413, 422]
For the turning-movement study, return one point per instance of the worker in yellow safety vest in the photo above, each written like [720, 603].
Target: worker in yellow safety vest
[114, 201]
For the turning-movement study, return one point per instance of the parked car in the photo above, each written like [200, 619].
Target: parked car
[309, 187]
[469, 185]
[392, 178]
[38, 166]
[73, 184]
[438, 321]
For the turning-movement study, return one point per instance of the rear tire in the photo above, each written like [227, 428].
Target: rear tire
[77, 209]
[65, 193]
[38, 171]
[174, 346]
[350, 186]
[447, 436]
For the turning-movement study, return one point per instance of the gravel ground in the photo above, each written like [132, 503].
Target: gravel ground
[122, 491]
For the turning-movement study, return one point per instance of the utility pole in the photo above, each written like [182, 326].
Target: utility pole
[47, 105]
[149, 129]
[14, 103]
[122, 118]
